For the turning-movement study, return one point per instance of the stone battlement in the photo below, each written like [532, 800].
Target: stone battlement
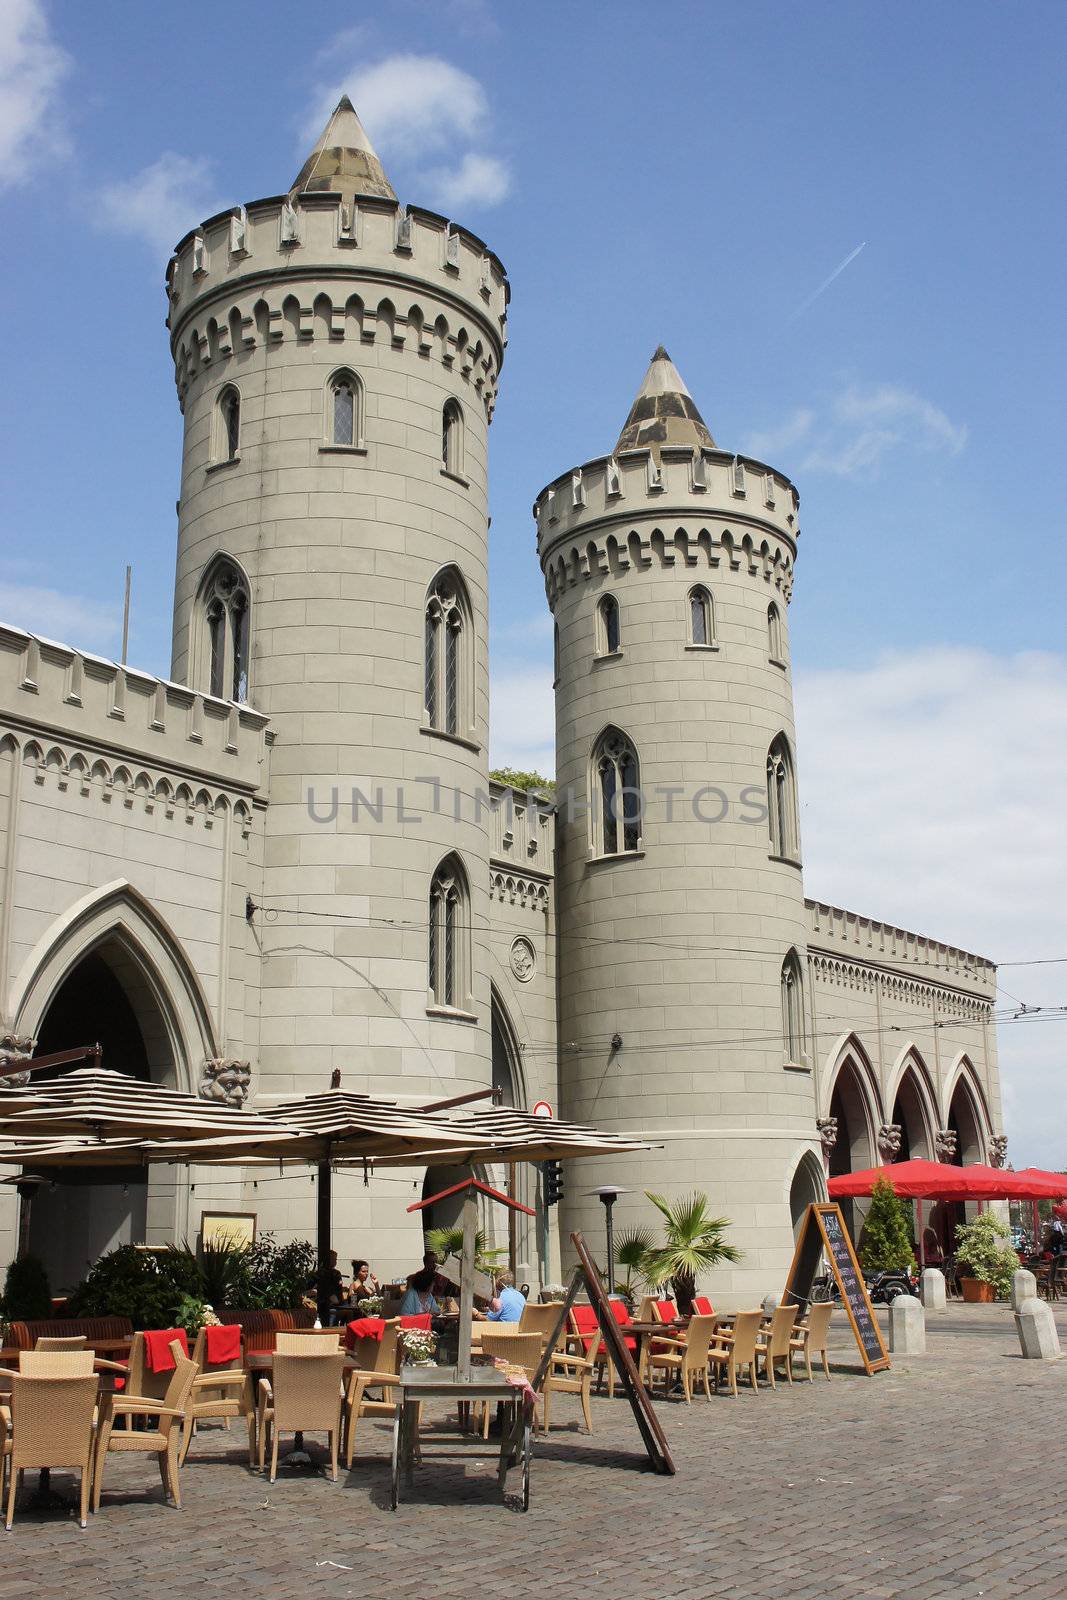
[832, 929]
[234, 283]
[524, 836]
[94, 708]
[683, 482]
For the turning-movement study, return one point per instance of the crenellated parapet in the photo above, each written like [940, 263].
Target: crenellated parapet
[320, 267]
[859, 939]
[682, 506]
[88, 720]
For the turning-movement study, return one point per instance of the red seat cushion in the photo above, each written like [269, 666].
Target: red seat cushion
[703, 1306]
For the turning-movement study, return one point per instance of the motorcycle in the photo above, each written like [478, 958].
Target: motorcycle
[885, 1287]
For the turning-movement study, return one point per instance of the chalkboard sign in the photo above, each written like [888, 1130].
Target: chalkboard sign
[823, 1232]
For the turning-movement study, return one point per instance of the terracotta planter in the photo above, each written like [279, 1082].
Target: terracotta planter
[977, 1292]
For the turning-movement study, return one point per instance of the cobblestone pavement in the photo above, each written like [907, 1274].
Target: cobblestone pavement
[942, 1477]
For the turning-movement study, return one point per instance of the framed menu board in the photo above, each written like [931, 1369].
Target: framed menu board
[823, 1232]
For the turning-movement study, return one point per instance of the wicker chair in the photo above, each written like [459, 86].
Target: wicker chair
[56, 1363]
[377, 1369]
[302, 1395]
[308, 1341]
[689, 1361]
[567, 1374]
[734, 1351]
[219, 1393]
[162, 1441]
[141, 1382]
[519, 1350]
[49, 1424]
[810, 1338]
[775, 1342]
[76, 1341]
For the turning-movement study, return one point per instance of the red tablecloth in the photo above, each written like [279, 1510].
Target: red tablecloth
[223, 1344]
[157, 1343]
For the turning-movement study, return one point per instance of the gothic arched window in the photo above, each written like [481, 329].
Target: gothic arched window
[615, 787]
[701, 616]
[452, 438]
[794, 1033]
[228, 427]
[223, 617]
[774, 634]
[448, 945]
[782, 821]
[608, 633]
[449, 662]
[344, 410]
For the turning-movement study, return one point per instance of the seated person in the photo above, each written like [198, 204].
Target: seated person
[419, 1297]
[364, 1282]
[507, 1305]
[443, 1288]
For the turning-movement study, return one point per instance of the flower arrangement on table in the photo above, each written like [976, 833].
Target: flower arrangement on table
[419, 1346]
[369, 1305]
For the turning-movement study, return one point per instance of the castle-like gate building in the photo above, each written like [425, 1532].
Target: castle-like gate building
[289, 858]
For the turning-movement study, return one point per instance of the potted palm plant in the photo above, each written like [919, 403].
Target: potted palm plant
[631, 1253]
[694, 1243]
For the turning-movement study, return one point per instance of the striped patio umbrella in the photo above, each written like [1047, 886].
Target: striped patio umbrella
[94, 1104]
[503, 1134]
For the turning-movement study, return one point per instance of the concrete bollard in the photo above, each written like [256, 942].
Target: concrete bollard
[770, 1305]
[1038, 1338]
[1023, 1287]
[934, 1294]
[907, 1326]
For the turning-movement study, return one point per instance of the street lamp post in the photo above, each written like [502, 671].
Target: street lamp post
[608, 1193]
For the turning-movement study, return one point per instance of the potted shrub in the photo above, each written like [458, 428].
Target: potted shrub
[694, 1243]
[885, 1242]
[985, 1265]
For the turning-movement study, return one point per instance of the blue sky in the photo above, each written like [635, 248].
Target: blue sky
[688, 175]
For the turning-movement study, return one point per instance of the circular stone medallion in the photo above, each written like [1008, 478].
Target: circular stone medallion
[523, 960]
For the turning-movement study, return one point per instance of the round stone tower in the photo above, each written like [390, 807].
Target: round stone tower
[337, 358]
[683, 1003]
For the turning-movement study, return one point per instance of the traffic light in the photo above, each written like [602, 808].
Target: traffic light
[553, 1173]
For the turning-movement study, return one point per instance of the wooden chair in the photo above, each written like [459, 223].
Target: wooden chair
[162, 1441]
[702, 1306]
[689, 1361]
[305, 1341]
[76, 1341]
[774, 1342]
[302, 1395]
[219, 1393]
[736, 1351]
[49, 1424]
[568, 1373]
[810, 1337]
[377, 1368]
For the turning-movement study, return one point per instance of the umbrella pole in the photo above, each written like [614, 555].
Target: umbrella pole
[922, 1253]
[323, 1198]
[466, 1285]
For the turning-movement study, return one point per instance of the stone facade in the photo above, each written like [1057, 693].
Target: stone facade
[289, 859]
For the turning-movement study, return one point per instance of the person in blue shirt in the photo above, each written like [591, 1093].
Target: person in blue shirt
[508, 1304]
[419, 1297]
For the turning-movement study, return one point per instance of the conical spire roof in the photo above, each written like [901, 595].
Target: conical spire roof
[344, 161]
[664, 412]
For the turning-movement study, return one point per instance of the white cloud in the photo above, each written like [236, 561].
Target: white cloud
[931, 787]
[32, 67]
[416, 108]
[68, 618]
[160, 203]
[523, 720]
[477, 181]
[851, 433]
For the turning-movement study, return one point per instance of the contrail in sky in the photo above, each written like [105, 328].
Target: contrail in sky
[810, 301]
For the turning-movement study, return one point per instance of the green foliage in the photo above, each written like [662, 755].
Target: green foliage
[128, 1282]
[225, 1273]
[523, 782]
[632, 1250]
[449, 1242]
[887, 1244]
[278, 1275]
[694, 1243]
[979, 1253]
[27, 1294]
[190, 1314]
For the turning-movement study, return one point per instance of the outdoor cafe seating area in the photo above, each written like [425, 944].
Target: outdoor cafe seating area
[72, 1399]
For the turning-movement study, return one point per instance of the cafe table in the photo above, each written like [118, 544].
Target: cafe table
[485, 1383]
